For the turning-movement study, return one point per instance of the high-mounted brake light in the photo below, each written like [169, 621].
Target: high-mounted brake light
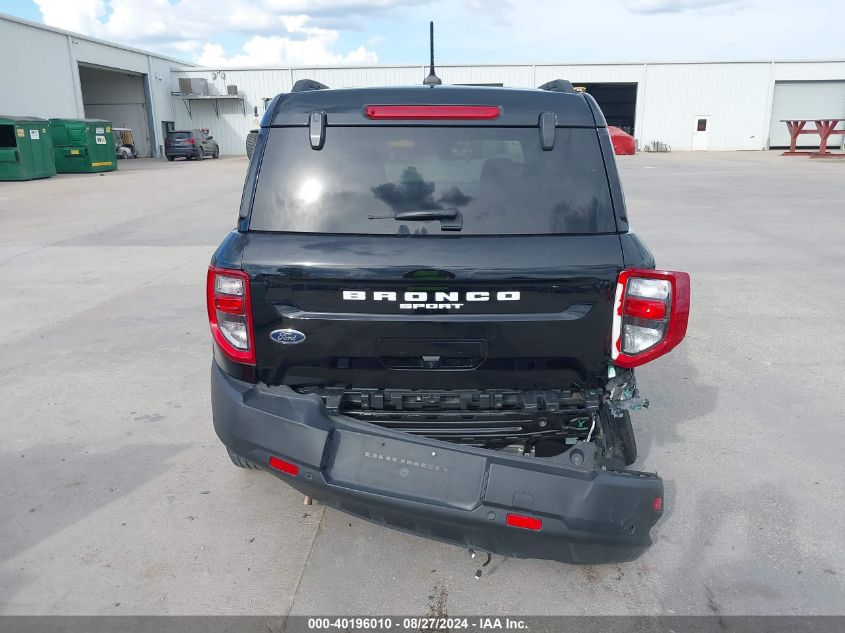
[230, 313]
[650, 315]
[522, 521]
[431, 112]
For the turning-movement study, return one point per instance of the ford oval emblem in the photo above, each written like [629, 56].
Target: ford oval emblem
[287, 337]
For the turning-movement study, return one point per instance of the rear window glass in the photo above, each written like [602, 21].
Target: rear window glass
[179, 134]
[499, 179]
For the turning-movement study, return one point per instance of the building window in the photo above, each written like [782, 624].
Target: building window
[701, 125]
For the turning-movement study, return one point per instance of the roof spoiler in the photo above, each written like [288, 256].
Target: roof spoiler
[557, 85]
[304, 85]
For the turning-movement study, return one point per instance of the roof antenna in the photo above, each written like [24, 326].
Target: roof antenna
[432, 79]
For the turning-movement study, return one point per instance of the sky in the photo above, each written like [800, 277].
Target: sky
[226, 33]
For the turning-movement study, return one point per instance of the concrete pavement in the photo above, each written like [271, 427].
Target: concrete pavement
[117, 497]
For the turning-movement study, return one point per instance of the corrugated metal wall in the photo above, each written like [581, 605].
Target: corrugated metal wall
[160, 79]
[733, 96]
[257, 86]
[40, 74]
[37, 77]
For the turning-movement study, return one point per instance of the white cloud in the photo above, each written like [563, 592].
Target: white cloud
[466, 31]
[188, 47]
[277, 50]
[277, 32]
[82, 16]
[305, 45]
[360, 56]
[676, 6]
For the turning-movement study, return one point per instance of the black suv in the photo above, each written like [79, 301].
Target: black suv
[190, 144]
[429, 313]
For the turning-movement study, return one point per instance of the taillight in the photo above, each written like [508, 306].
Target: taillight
[189, 141]
[230, 313]
[649, 316]
[431, 112]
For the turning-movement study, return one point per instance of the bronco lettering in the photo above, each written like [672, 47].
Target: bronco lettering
[412, 300]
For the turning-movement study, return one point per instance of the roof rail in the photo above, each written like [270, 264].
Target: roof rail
[303, 85]
[558, 85]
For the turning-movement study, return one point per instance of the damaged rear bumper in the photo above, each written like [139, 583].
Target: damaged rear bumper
[440, 490]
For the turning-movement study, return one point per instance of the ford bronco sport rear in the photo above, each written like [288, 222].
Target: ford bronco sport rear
[429, 313]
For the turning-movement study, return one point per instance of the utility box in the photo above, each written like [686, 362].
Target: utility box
[193, 86]
[26, 151]
[82, 145]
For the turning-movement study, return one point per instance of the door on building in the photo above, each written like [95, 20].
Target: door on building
[701, 133]
[117, 96]
[806, 100]
[166, 126]
[618, 102]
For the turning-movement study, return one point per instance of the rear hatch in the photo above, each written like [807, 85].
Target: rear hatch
[430, 257]
[179, 140]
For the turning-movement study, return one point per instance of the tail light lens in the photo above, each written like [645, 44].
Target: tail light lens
[650, 315]
[230, 313]
[189, 141]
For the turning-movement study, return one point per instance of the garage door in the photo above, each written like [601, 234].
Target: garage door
[805, 100]
[118, 97]
[131, 115]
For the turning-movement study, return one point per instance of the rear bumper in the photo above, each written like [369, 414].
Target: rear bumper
[436, 489]
[178, 152]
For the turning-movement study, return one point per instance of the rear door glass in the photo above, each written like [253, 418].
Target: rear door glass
[499, 179]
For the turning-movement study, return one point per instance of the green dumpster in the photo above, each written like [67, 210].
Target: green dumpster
[25, 148]
[82, 145]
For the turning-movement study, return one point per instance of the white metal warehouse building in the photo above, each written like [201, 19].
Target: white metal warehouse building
[48, 72]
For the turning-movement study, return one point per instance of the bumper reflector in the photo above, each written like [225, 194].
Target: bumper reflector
[285, 467]
[657, 505]
[521, 521]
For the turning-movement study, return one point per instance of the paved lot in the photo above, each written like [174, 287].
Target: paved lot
[117, 497]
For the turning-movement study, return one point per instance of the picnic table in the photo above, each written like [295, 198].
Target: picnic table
[825, 128]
